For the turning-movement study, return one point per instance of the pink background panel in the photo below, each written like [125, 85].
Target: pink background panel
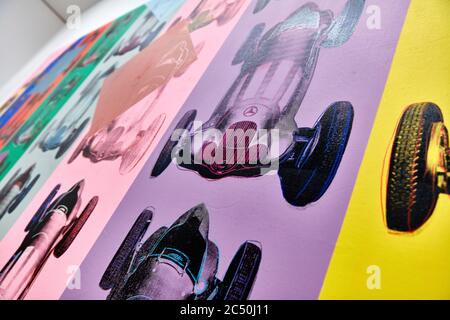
[103, 179]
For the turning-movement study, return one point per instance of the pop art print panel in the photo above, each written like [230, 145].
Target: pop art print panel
[26, 134]
[47, 151]
[55, 56]
[21, 106]
[194, 226]
[396, 227]
[182, 54]
[57, 139]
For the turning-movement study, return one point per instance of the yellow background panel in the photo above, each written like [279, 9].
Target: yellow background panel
[415, 266]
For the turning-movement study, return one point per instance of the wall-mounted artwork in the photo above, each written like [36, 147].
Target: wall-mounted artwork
[233, 150]
[54, 138]
[263, 71]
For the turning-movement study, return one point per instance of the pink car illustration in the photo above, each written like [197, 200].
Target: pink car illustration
[52, 230]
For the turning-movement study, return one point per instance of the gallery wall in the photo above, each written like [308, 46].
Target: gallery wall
[28, 50]
[37, 25]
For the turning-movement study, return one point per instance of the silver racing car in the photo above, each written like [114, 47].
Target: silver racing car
[178, 263]
[277, 67]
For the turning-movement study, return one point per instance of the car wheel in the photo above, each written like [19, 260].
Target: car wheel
[411, 193]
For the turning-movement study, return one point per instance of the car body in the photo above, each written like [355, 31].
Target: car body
[62, 134]
[131, 131]
[178, 263]
[277, 68]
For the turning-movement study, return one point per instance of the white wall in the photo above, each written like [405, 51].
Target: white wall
[26, 33]
[60, 6]
[25, 26]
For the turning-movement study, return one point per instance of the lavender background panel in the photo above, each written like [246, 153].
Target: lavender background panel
[297, 242]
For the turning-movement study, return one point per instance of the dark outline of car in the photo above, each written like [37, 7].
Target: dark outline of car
[182, 259]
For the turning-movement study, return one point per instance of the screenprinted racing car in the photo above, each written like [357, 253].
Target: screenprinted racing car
[147, 31]
[277, 69]
[18, 186]
[33, 126]
[52, 230]
[132, 128]
[61, 135]
[178, 263]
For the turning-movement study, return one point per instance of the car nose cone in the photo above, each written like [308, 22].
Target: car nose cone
[79, 186]
[196, 218]
[199, 215]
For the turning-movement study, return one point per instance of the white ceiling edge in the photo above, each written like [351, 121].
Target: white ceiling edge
[60, 6]
[99, 14]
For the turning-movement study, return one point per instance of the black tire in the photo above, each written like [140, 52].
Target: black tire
[306, 182]
[241, 274]
[165, 158]
[4, 192]
[15, 203]
[75, 228]
[78, 150]
[260, 5]
[119, 290]
[344, 24]
[71, 139]
[114, 271]
[411, 196]
[149, 243]
[249, 46]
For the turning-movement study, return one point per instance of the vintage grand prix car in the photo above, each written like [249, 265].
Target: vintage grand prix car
[67, 130]
[51, 230]
[131, 129]
[209, 11]
[15, 190]
[178, 263]
[141, 38]
[38, 88]
[62, 134]
[30, 130]
[276, 71]
[419, 168]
